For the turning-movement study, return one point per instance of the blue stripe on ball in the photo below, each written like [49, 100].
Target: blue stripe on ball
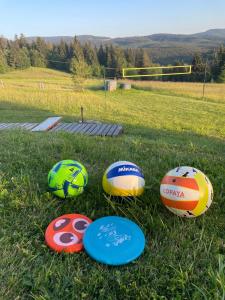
[49, 179]
[85, 180]
[125, 170]
[57, 167]
[52, 189]
[66, 187]
[75, 173]
[75, 186]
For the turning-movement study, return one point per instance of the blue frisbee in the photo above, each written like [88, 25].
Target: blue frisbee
[114, 240]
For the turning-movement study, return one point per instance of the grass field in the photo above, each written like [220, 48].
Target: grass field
[165, 126]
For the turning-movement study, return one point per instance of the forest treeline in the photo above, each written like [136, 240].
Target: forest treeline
[105, 60]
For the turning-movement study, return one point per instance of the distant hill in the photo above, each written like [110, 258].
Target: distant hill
[96, 40]
[163, 48]
[212, 34]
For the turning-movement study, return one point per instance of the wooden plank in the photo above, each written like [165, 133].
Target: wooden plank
[118, 130]
[62, 127]
[67, 127]
[17, 125]
[101, 129]
[30, 126]
[105, 131]
[14, 126]
[96, 129]
[112, 129]
[7, 125]
[82, 127]
[89, 128]
[4, 125]
[92, 128]
[59, 127]
[72, 127]
[26, 126]
[77, 128]
[47, 124]
[86, 128]
[23, 125]
[1, 125]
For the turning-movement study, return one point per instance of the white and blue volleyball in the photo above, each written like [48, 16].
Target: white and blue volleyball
[124, 179]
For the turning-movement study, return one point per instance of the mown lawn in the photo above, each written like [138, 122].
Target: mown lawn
[183, 259]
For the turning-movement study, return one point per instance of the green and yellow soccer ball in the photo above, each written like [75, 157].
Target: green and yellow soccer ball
[67, 179]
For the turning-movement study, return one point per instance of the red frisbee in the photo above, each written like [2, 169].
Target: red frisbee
[65, 234]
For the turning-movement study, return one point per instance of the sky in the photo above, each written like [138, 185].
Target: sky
[116, 18]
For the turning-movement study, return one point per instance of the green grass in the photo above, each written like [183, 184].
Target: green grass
[183, 258]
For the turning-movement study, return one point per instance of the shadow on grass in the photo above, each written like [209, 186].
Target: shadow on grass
[11, 112]
[99, 87]
[157, 150]
[14, 112]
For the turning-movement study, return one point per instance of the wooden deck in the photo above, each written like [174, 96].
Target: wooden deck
[91, 129]
[24, 126]
[98, 129]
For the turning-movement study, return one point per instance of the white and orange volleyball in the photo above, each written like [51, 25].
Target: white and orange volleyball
[123, 179]
[186, 192]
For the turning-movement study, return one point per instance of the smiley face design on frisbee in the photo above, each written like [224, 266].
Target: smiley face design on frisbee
[65, 234]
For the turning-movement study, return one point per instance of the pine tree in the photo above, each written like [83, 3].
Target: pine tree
[109, 54]
[81, 71]
[109, 71]
[218, 63]
[3, 63]
[22, 42]
[91, 59]
[199, 69]
[102, 57]
[130, 57]
[76, 50]
[22, 59]
[142, 60]
[118, 60]
[57, 58]
[37, 59]
[62, 56]
[3, 44]
[221, 77]
[12, 54]
[41, 46]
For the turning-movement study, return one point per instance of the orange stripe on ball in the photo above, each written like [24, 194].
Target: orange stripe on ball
[181, 181]
[185, 205]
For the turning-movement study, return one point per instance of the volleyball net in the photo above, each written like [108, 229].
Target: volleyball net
[156, 71]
